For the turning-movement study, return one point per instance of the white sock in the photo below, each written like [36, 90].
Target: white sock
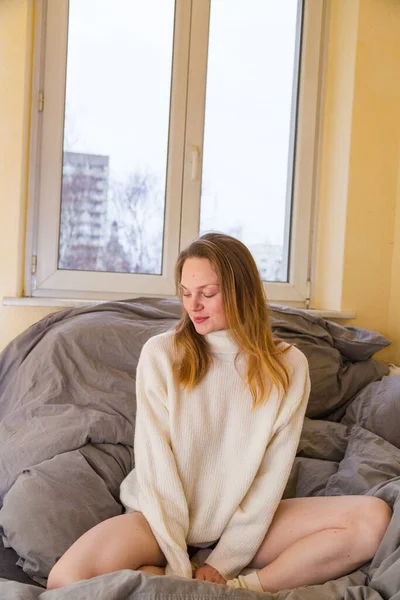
[249, 582]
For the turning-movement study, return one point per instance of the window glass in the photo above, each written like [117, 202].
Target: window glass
[249, 127]
[116, 135]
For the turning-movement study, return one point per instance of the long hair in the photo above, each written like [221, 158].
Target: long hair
[247, 317]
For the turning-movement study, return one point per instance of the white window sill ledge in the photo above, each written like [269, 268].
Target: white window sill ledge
[74, 303]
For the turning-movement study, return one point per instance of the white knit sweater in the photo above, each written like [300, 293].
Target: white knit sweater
[207, 467]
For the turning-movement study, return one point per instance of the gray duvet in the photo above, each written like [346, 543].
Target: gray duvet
[67, 416]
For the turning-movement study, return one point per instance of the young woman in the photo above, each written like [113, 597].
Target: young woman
[220, 408]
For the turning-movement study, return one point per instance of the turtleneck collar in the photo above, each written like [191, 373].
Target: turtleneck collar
[220, 342]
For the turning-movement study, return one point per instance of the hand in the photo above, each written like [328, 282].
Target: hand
[208, 573]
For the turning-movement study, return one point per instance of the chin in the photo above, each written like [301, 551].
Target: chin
[203, 328]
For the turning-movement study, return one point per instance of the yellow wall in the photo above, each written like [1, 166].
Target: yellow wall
[374, 158]
[16, 27]
[359, 189]
[393, 353]
[340, 43]
[358, 231]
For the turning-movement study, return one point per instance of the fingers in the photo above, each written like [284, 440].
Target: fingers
[212, 578]
[218, 580]
[199, 576]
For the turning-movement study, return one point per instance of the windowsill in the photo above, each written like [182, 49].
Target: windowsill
[74, 303]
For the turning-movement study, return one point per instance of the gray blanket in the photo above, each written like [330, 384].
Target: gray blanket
[67, 416]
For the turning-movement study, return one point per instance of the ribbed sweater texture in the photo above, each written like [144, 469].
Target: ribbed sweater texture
[207, 467]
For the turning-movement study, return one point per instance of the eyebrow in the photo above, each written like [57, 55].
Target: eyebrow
[201, 286]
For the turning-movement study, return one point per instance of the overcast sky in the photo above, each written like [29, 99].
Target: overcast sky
[118, 86]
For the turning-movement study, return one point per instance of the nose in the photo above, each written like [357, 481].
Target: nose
[195, 303]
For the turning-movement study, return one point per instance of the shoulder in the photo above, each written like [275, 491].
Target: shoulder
[155, 365]
[294, 358]
[158, 347]
[299, 377]
[295, 401]
[297, 364]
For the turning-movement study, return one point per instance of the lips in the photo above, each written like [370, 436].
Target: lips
[200, 319]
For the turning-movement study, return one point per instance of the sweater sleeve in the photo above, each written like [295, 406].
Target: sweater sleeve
[161, 495]
[249, 524]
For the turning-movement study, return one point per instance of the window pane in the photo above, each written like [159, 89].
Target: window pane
[116, 135]
[249, 127]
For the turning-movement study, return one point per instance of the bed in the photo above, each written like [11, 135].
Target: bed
[67, 417]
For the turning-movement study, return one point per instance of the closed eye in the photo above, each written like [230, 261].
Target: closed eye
[205, 295]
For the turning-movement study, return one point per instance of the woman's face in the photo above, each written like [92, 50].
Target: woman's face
[201, 295]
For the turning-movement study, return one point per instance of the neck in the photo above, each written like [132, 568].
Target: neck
[220, 342]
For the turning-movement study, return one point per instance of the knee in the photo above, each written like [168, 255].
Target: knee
[60, 577]
[373, 518]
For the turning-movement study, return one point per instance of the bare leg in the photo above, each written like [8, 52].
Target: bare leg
[314, 540]
[318, 558]
[152, 570]
[123, 542]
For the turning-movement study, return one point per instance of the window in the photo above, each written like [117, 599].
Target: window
[156, 120]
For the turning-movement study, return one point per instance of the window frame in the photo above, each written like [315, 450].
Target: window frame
[182, 208]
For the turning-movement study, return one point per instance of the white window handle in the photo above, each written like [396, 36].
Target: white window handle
[195, 162]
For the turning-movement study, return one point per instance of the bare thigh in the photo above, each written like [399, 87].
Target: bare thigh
[123, 542]
[297, 518]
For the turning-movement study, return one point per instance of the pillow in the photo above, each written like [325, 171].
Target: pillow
[9, 568]
[324, 440]
[377, 408]
[339, 358]
[369, 464]
[354, 343]
[51, 505]
[321, 447]
[309, 477]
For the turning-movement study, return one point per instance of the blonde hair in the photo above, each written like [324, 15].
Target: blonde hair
[247, 317]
